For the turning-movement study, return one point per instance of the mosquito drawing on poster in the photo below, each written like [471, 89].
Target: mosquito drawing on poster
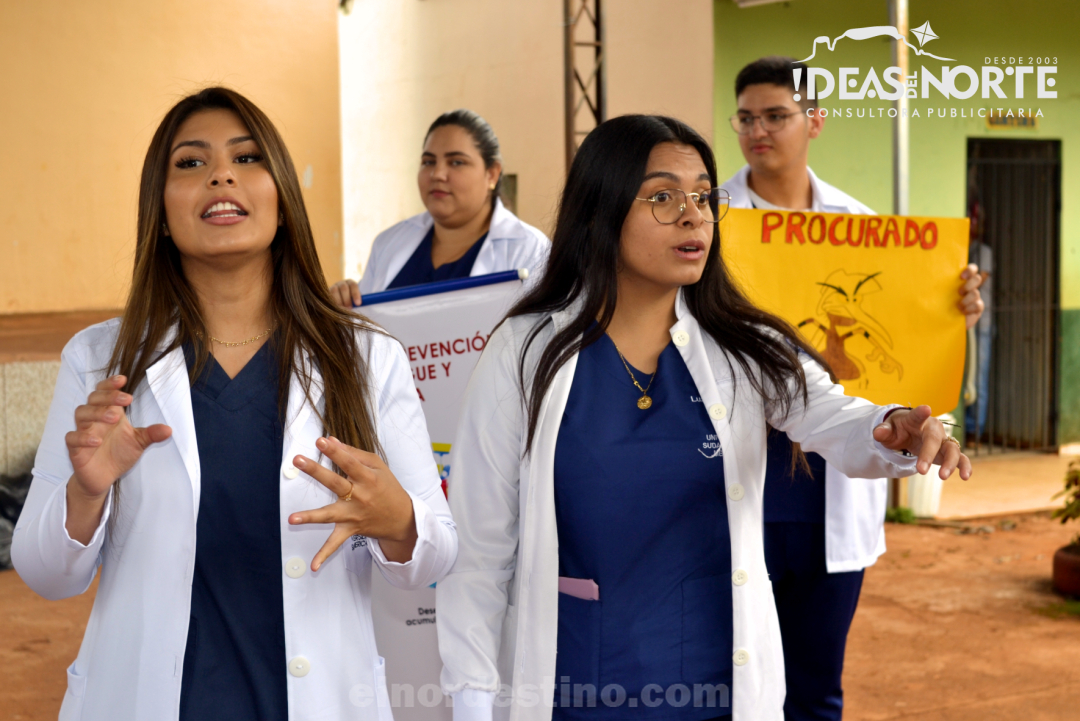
[843, 330]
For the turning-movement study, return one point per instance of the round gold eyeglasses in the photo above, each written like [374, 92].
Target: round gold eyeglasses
[668, 205]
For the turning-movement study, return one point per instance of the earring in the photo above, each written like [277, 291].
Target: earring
[491, 187]
[164, 229]
[281, 219]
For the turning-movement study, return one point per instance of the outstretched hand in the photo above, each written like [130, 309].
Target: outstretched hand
[370, 502]
[916, 431]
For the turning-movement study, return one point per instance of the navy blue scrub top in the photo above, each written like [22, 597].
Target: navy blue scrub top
[641, 509]
[235, 665]
[797, 497]
[418, 268]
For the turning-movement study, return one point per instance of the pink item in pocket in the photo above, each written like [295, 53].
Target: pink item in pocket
[583, 588]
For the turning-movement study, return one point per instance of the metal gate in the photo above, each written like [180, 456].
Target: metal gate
[1017, 183]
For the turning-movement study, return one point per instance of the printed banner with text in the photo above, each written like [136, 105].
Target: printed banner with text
[443, 335]
[877, 295]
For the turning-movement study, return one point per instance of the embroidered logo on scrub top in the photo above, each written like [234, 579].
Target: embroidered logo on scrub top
[710, 447]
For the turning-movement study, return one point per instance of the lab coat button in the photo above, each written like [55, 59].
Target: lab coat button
[736, 491]
[680, 337]
[717, 411]
[295, 567]
[291, 472]
[299, 667]
[740, 577]
[741, 657]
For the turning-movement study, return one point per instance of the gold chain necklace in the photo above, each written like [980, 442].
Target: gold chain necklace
[645, 402]
[243, 342]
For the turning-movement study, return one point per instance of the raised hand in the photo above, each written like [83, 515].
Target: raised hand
[103, 447]
[971, 302]
[916, 431]
[370, 502]
[346, 293]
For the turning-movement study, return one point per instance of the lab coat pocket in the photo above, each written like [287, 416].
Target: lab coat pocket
[73, 699]
[382, 696]
[706, 629]
[579, 624]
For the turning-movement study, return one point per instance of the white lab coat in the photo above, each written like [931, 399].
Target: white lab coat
[498, 607]
[511, 244]
[854, 508]
[130, 662]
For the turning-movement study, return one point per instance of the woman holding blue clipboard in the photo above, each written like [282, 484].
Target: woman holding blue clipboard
[466, 230]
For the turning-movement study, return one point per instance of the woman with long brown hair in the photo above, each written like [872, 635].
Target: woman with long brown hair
[189, 440]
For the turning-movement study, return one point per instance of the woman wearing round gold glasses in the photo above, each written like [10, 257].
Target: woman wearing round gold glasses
[610, 459]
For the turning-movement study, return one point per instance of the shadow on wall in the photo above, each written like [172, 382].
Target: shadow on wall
[25, 394]
[26, 391]
[13, 492]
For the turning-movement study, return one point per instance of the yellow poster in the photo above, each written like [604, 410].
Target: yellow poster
[876, 295]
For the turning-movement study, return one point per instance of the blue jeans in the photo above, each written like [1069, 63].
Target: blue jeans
[976, 413]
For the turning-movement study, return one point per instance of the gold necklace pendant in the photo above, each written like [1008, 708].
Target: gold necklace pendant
[645, 402]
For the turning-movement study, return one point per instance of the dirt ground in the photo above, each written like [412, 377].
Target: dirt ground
[955, 626]
[951, 626]
[39, 641]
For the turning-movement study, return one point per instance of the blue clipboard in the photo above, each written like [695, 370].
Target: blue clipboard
[442, 286]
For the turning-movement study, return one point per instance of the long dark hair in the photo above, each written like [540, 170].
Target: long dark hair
[482, 135]
[603, 181]
[306, 318]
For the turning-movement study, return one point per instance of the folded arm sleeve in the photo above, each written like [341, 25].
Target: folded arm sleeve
[404, 437]
[47, 559]
[840, 428]
[473, 705]
[484, 485]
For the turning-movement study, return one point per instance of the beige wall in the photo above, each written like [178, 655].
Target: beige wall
[404, 63]
[660, 59]
[84, 86]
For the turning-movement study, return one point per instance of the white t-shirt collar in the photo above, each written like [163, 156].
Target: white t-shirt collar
[763, 204]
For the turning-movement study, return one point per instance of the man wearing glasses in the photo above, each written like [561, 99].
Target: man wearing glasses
[822, 529]
[774, 135]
